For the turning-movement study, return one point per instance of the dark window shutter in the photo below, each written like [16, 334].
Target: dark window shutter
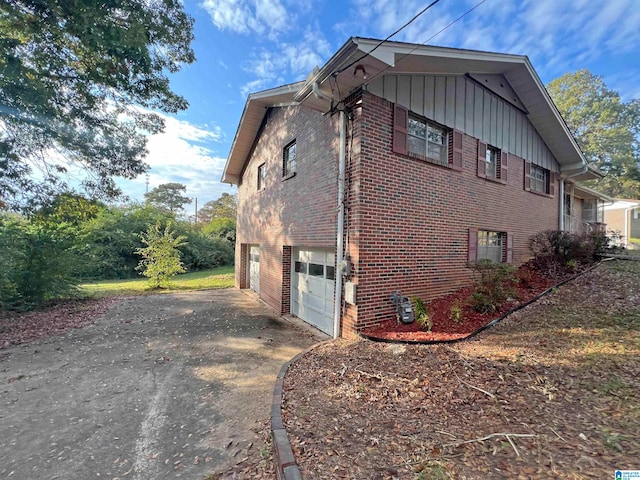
[527, 176]
[455, 159]
[509, 255]
[482, 159]
[504, 165]
[400, 129]
[472, 246]
[552, 184]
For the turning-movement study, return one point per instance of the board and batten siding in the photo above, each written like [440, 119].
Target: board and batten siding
[458, 102]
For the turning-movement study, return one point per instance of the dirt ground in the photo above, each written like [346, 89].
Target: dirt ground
[550, 392]
[160, 386]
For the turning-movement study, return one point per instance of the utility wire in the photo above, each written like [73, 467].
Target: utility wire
[426, 41]
[387, 39]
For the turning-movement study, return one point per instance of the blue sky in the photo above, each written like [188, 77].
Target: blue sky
[243, 46]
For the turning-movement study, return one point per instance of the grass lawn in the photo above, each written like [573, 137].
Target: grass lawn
[221, 277]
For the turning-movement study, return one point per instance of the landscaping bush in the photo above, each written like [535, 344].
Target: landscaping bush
[557, 253]
[493, 285]
[422, 314]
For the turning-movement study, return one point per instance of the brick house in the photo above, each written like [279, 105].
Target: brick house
[391, 168]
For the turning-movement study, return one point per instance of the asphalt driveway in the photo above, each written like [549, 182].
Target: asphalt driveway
[162, 386]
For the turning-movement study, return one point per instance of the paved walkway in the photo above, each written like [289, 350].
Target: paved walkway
[162, 386]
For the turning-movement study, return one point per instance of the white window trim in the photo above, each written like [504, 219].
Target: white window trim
[440, 130]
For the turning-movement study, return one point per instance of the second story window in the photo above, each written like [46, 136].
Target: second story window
[428, 140]
[261, 176]
[539, 179]
[289, 160]
[491, 158]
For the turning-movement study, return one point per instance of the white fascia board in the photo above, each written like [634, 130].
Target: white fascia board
[554, 110]
[256, 105]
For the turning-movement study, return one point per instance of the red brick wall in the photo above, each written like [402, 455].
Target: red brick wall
[299, 211]
[409, 219]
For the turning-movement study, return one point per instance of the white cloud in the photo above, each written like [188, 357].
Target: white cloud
[247, 16]
[553, 33]
[182, 154]
[287, 60]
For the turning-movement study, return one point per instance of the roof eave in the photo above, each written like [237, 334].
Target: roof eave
[255, 107]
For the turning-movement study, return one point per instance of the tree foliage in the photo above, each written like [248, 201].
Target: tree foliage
[168, 196]
[224, 207]
[37, 263]
[160, 255]
[606, 128]
[73, 75]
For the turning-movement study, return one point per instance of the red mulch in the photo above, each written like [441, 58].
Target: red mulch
[529, 284]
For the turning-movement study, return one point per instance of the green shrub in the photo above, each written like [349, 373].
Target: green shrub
[455, 312]
[493, 285]
[37, 263]
[556, 253]
[422, 314]
[161, 257]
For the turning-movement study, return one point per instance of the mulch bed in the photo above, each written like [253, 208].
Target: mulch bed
[550, 392]
[529, 284]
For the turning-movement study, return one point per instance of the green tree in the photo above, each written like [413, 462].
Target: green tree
[606, 128]
[161, 255]
[73, 76]
[224, 207]
[168, 196]
[107, 242]
[37, 263]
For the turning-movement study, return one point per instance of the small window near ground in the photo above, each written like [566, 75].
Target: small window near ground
[491, 245]
[261, 176]
[289, 160]
[540, 179]
[301, 267]
[428, 140]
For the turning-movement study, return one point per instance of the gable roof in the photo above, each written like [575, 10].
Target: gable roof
[526, 91]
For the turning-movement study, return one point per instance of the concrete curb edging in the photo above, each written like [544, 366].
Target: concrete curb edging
[285, 462]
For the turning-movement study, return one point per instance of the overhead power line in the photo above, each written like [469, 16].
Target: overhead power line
[387, 39]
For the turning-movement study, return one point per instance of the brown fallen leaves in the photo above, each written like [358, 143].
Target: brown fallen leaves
[18, 328]
[551, 392]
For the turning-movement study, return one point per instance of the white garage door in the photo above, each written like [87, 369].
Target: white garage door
[312, 287]
[254, 268]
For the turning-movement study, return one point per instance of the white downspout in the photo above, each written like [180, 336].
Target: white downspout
[561, 194]
[337, 311]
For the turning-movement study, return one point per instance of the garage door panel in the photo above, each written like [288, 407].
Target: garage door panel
[312, 287]
[254, 268]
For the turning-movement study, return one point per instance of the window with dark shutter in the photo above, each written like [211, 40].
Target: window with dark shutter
[482, 159]
[509, 255]
[527, 176]
[455, 156]
[400, 129]
[489, 245]
[472, 246]
[503, 164]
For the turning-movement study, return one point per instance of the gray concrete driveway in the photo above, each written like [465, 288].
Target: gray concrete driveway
[162, 386]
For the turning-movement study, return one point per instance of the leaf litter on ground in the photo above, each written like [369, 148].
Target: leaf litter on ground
[551, 391]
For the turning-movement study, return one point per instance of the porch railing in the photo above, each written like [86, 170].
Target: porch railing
[577, 225]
